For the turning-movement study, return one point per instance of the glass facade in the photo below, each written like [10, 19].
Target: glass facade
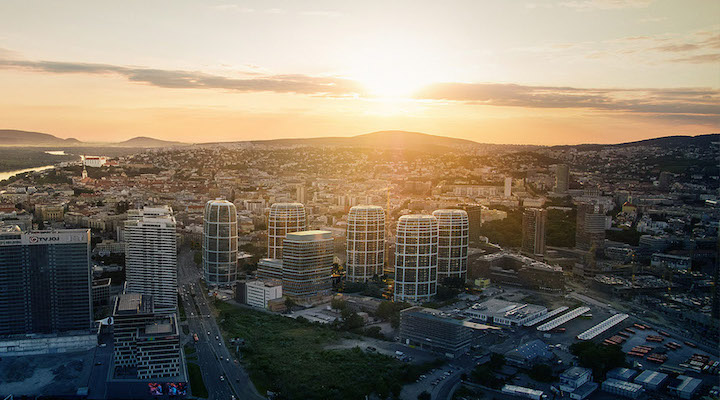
[220, 247]
[45, 282]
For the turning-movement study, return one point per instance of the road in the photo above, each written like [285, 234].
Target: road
[214, 358]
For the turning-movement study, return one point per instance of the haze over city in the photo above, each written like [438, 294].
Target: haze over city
[360, 200]
[523, 72]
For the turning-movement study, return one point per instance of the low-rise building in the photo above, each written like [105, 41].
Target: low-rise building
[670, 261]
[577, 383]
[685, 387]
[621, 388]
[504, 312]
[531, 353]
[259, 292]
[435, 331]
[652, 380]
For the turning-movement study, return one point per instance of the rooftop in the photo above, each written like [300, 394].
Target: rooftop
[308, 236]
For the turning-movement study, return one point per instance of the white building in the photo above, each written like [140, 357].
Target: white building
[259, 292]
[508, 186]
[94, 161]
[416, 258]
[453, 239]
[151, 256]
[220, 243]
[577, 383]
[365, 243]
[284, 218]
[503, 312]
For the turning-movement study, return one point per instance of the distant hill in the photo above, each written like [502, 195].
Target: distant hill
[143, 141]
[382, 139]
[664, 142]
[11, 137]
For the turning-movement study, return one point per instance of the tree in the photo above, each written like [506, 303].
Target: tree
[541, 373]
[424, 396]
[289, 304]
[338, 304]
[599, 358]
[497, 361]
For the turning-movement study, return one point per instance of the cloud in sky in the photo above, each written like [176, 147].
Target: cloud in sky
[605, 4]
[692, 104]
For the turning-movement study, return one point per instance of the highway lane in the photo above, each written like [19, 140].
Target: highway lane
[214, 359]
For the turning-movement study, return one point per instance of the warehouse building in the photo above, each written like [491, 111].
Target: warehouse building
[622, 388]
[503, 312]
[685, 387]
[652, 380]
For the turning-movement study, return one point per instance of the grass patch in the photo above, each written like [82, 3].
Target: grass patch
[181, 309]
[197, 386]
[189, 349]
[288, 356]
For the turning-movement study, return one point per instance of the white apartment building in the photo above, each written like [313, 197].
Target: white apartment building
[365, 236]
[151, 256]
[416, 258]
[453, 240]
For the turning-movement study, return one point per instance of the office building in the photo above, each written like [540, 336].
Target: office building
[45, 281]
[270, 268]
[562, 178]
[151, 256]
[591, 225]
[432, 330]
[307, 264]
[416, 258]
[365, 243]
[284, 218]
[258, 293]
[220, 243]
[453, 238]
[101, 293]
[144, 341]
[533, 231]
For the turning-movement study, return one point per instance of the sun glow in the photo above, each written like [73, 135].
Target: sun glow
[393, 70]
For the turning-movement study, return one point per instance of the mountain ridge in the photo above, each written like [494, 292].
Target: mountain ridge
[395, 139]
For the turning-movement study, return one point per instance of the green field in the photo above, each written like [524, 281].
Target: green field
[288, 356]
[197, 386]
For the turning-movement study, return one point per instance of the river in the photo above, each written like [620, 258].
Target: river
[8, 174]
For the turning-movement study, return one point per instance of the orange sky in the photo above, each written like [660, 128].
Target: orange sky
[548, 72]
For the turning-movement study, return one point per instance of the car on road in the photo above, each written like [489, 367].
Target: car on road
[208, 333]
[98, 363]
[217, 337]
[222, 378]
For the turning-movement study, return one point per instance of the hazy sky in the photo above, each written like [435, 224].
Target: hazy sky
[503, 71]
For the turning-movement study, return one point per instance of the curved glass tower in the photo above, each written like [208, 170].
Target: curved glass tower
[365, 242]
[284, 218]
[220, 242]
[453, 235]
[416, 258]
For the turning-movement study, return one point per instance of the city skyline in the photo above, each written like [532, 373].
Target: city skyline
[515, 73]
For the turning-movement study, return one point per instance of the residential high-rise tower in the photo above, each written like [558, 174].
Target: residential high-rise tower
[365, 242]
[416, 258]
[220, 246]
[284, 218]
[453, 237]
[151, 256]
[533, 231]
